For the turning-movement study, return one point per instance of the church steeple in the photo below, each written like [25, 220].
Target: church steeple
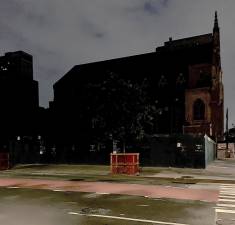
[216, 34]
[216, 24]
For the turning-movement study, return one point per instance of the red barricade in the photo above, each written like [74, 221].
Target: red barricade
[4, 161]
[127, 163]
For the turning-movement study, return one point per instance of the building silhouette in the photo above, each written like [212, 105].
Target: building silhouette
[18, 96]
[182, 80]
[174, 92]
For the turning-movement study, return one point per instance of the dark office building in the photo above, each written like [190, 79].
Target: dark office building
[18, 95]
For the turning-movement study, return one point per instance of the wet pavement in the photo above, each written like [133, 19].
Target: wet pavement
[33, 207]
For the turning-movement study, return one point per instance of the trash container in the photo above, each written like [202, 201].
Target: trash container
[124, 163]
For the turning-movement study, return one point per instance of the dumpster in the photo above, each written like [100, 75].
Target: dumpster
[124, 163]
[4, 161]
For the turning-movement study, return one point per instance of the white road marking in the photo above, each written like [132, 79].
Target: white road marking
[143, 205]
[225, 211]
[13, 187]
[102, 193]
[226, 200]
[73, 213]
[227, 188]
[126, 218]
[228, 192]
[225, 205]
[57, 190]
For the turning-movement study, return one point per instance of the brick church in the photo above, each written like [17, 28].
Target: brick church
[184, 80]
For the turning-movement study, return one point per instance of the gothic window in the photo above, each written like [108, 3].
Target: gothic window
[198, 110]
[162, 82]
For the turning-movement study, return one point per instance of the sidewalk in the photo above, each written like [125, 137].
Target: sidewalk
[219, 170]
[149, 191]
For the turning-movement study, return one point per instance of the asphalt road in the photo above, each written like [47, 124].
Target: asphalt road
[39, 201]
[20, 206]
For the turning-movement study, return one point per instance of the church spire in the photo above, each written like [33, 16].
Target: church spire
[216, 24]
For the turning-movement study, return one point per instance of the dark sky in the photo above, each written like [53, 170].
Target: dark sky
[62, 33]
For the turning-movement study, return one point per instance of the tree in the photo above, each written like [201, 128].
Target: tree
[119, 107]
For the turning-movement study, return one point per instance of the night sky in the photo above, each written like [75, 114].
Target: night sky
[62, 33]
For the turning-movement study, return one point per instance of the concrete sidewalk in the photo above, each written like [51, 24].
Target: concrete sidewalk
[219, 170]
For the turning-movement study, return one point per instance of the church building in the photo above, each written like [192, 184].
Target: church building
[184, 83]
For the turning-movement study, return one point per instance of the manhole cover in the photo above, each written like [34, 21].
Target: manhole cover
[98, 211]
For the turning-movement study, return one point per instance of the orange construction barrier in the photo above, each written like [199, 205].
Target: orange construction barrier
[127, 163]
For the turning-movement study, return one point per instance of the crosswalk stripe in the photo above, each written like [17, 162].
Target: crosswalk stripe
[227, 188]
[227, 192]
[225, 205]
[224, 211]
[226, 200]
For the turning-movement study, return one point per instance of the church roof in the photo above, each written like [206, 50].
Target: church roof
[174, 53]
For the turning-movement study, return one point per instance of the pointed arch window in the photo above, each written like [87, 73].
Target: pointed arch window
[198, 110]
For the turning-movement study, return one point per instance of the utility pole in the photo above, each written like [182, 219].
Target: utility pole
[227, 128]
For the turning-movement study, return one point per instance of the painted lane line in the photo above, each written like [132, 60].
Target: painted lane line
[226, 200]
[13, 187]
[73, 213]
[102, 193]
[143, 205]
[224, 211]
[127, 218]
[226, 205]
[58, 190]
